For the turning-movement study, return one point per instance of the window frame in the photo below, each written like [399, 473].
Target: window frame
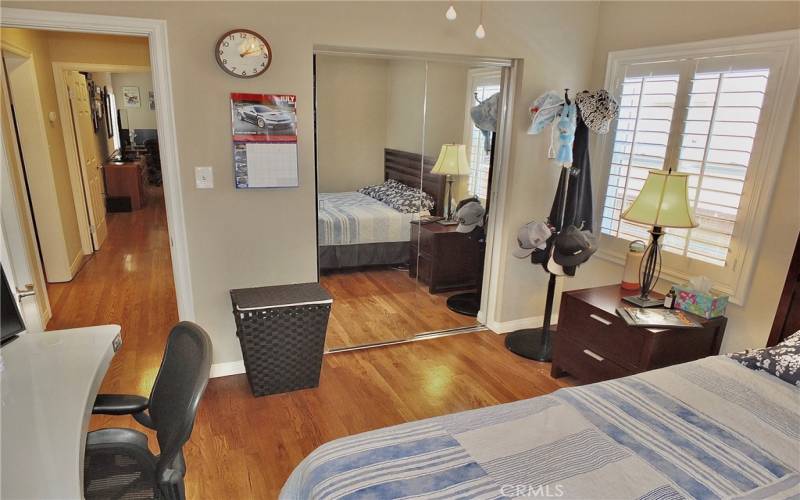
[476, 77]
[764, 161]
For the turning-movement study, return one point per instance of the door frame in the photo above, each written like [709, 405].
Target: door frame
[156, 32]
[70, 141]
[19, 252]
[489, 312]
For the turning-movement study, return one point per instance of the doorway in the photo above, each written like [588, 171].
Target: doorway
[383, 124]
[131, 271]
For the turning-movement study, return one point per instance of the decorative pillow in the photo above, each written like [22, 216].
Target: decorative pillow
[782, 360]
[409, 201]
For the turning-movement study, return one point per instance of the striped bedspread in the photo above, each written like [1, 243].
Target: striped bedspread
[707, 429]
[354, 218]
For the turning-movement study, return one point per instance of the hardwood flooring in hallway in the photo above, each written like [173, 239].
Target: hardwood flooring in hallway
[128, 282]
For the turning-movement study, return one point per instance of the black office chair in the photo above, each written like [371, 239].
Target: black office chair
[118, 463]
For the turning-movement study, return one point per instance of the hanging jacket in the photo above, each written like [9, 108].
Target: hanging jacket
[579, 211]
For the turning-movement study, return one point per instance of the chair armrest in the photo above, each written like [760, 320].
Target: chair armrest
[119, 404]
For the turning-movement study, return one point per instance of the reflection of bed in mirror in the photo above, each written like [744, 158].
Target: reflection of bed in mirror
[356, 230]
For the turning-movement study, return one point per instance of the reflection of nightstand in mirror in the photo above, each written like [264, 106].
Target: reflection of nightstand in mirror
[448, 260]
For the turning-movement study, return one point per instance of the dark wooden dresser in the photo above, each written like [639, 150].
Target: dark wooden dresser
[126, 179]
[593, 344]
[448, 260]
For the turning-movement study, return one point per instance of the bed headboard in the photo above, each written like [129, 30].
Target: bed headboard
[404, 167]
[787, 317]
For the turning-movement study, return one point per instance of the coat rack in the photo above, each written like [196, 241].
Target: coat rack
[537, 343]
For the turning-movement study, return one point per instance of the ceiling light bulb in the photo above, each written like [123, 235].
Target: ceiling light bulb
[480, 32]
[451, 13]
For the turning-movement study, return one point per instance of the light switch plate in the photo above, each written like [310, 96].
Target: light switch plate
[203, 177]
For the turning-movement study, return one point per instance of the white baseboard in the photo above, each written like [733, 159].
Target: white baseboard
[225, 369]
[519, 324]
[76, 265]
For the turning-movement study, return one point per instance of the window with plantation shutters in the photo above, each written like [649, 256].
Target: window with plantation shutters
[711, 112]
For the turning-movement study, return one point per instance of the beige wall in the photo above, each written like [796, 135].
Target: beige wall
[351, 122]
[627, 25]
[99, 49]
[365, 105]
[225, 250]
[445, 102]
[405, 106]
[66, 242]
[143, 116]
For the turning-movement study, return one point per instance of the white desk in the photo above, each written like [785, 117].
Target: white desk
[49, 382]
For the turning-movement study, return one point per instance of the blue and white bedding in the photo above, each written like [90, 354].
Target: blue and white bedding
[707, 429]
[353, 218]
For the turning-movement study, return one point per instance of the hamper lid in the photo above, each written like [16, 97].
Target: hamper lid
[265, 297]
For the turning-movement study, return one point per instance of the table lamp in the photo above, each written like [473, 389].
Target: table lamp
[452, 161]
[662, 202]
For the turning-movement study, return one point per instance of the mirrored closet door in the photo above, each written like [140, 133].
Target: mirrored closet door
[396, 149]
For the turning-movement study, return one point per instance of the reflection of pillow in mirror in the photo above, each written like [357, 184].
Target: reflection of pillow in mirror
[381, 191]
[409, 201]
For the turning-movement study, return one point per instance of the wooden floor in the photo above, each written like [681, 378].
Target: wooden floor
[244, 447]
[127, 282]
[383, 304]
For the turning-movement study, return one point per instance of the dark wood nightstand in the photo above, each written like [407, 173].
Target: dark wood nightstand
[448, 260]
[593, 344]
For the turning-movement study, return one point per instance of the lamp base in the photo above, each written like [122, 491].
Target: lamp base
[643, 301]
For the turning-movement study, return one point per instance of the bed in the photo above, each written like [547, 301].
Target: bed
[712, 428]
[355, 230]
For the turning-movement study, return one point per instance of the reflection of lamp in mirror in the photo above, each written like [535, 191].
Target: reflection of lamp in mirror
[452, 162]
[662, 202]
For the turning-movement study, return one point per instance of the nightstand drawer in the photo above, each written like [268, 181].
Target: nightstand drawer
[605, 334]
[586, 364]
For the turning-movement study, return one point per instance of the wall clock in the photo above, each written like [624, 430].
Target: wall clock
[243, 53]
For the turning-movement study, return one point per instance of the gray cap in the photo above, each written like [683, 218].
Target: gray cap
[469, 217]
[532, 236]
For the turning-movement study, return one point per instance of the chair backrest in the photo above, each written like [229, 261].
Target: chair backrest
[176, 393]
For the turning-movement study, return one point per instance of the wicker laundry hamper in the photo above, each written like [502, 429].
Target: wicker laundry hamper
[281, 330]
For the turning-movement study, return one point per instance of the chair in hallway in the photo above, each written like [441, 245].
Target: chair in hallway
[118, 462]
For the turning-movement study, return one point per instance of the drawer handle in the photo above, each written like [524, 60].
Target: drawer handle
[601, 320]
[593, 355]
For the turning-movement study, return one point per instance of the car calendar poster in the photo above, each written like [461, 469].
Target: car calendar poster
[264, 140]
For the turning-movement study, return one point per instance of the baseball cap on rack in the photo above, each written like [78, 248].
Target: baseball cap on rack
[530, 237]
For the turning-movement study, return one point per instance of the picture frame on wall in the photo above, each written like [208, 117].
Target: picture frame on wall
[91, 89]
[107, 112]
[131, 98]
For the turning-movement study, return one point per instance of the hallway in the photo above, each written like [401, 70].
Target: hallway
[128, 282]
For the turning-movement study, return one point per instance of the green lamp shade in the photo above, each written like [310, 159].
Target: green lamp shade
[663, 201]
[452, 160]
